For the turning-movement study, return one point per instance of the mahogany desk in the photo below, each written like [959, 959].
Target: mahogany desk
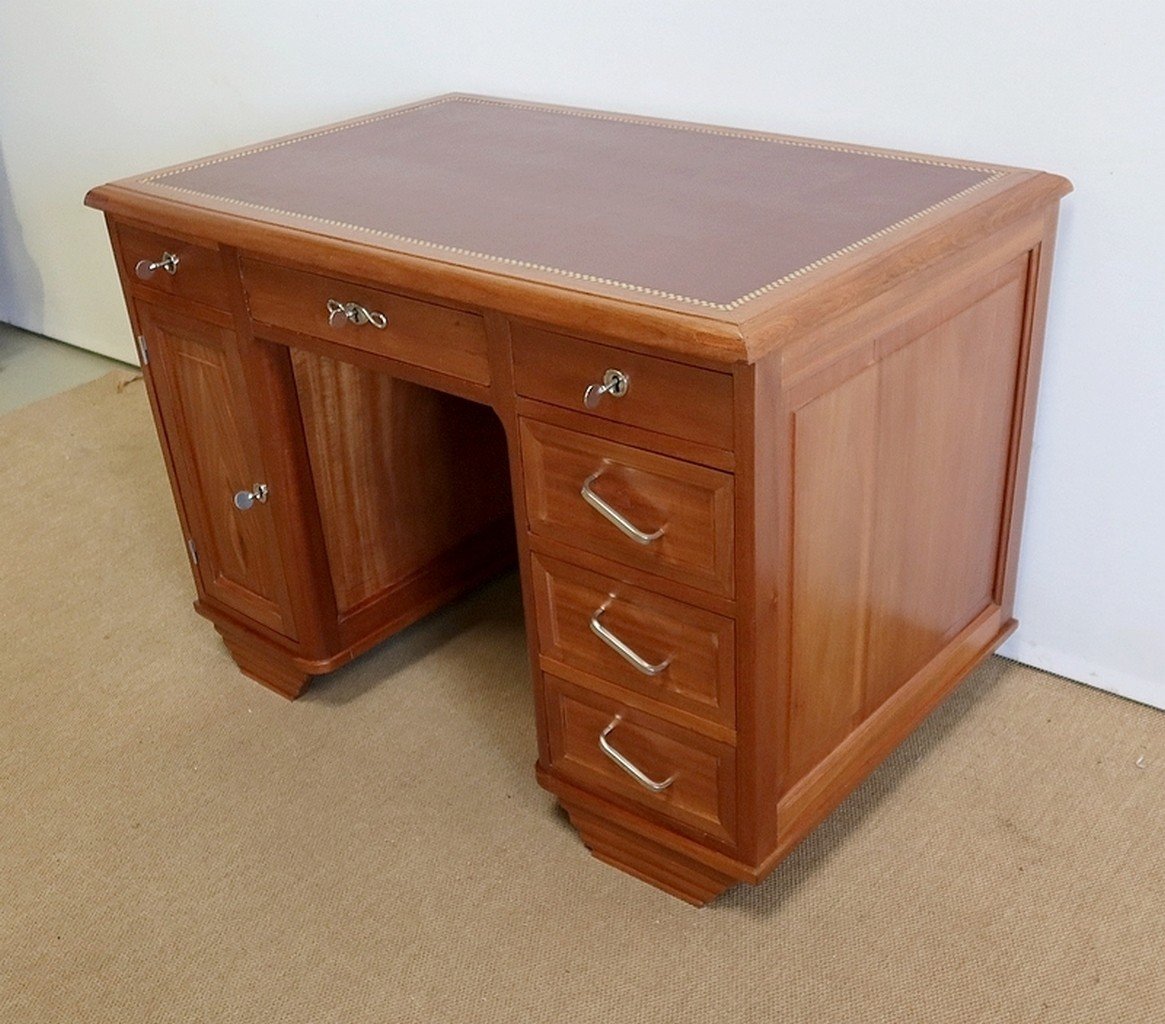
[760, 407]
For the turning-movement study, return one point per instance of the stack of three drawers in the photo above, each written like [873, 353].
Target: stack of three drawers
[627, 461]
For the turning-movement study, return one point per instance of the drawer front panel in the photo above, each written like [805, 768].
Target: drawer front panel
[687, 653]
[667, 397]
[198, 274]
[688, 506]
[701, 770]
[425, 334]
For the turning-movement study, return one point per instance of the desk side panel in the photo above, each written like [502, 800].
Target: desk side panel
[905, 459]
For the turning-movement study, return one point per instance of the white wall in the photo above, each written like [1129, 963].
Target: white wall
[99, 89]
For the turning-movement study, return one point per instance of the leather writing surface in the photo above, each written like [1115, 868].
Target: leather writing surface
[704, 214]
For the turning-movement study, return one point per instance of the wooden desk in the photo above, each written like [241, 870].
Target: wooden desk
[760, 407]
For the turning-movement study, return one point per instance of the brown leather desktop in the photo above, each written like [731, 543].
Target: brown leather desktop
[759, 407]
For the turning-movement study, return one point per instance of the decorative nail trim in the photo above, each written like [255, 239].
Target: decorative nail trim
[993, 175]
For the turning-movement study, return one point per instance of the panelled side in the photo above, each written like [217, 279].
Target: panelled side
[900, 462]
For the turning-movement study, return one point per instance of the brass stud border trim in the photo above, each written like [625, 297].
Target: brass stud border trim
[993, 175]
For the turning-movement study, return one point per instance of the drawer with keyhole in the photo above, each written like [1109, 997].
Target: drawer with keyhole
[626, 387]
[414, 331]
[165, 265]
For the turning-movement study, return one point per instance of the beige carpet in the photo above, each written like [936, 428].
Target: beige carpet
[178, 844]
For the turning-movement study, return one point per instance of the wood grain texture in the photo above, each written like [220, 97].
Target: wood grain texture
[764, 500]
[813, 797]
[833, 470]
[423, 333]
[388, 459]
[1039, 282]
[700, 800]
[264, 663]
[504, 400]
[376, 361]
[899, 477]
[662, 396]
[897, 267]
[842, 346]
[194, 370]
[278, 429]
[696, 645]
[946, 405]
[629, 850]
[636, 437]
[199, 276]
[691, 503]
[593, 561]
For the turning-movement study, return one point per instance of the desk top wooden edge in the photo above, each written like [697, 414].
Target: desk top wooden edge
[740, 330]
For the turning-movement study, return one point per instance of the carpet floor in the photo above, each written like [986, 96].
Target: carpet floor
[178, 844]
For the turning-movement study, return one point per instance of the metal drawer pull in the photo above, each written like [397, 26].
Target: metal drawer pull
[636, 773]
[145, 269]
[615, 383]
[340, 313]
[614, 516]
[245, 499]
[620, 647]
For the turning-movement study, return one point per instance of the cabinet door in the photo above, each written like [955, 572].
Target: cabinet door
[197, 378]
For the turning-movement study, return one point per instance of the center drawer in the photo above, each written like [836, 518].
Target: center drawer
[415, 331]
[657, 513]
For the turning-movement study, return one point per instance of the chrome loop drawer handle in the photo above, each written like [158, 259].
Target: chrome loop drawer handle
[620, 646]
[631, 769]
[615, 383]
[614, 515]
[145, 269]
[340, 313]
[245, 499]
